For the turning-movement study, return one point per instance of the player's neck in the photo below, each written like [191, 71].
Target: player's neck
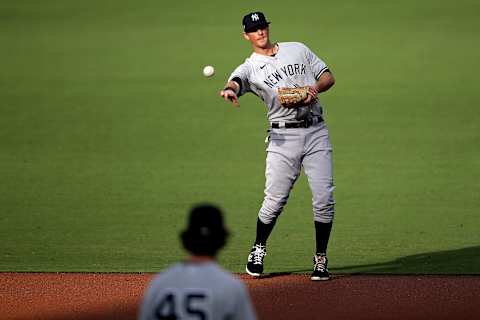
[269, 50]
[200, 259]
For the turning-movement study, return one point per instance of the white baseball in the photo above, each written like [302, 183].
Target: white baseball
[208, 71]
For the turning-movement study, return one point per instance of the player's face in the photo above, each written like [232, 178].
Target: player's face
[259, 38]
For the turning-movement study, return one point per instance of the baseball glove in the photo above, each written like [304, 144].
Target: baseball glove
[292, 97]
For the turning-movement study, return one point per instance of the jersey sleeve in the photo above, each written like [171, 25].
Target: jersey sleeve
[318, 65]
[242, 73]
[243, 307]
[146, 307]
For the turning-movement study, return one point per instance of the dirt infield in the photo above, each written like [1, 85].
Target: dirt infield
[116, 296]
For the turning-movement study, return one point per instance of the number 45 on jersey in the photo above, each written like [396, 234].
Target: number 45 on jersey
[192, 304]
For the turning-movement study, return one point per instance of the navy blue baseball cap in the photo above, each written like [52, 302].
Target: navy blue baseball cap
[254, 21]
[205, 233]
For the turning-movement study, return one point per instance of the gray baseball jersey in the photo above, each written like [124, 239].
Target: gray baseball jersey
[294, 65]
[196, 291]
[289, 150]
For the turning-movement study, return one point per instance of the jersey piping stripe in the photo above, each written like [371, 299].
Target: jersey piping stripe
[321, 72]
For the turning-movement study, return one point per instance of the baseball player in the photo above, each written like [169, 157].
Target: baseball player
[298, 136]
[198, 288]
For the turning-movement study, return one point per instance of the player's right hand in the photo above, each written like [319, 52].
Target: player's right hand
[230, 95]
[312, 95]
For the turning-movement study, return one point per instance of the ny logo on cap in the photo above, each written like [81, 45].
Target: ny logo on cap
[255, 17]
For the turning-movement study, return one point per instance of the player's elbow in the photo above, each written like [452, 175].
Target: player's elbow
[326, 81]
[330, 80]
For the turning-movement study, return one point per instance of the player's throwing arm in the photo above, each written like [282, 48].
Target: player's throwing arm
[230, 93]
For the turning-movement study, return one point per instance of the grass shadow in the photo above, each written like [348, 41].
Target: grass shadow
[460, 261]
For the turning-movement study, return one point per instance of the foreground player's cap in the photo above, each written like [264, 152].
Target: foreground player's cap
[254, 21]
[206, 221]
[205, 233]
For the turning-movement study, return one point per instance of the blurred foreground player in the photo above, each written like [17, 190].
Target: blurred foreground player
[198, 288]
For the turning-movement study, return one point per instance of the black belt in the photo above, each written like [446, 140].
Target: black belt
[303, 124]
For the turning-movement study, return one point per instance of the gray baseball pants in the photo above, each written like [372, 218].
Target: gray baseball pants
[288, 151]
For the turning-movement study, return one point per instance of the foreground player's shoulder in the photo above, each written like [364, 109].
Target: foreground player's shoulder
[167, 275]
[228, 278]
[221, 273]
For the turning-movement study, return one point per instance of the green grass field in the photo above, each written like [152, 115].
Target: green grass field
[109, 133]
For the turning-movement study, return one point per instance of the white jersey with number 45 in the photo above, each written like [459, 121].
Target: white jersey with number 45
[294, 65]
[200, 291]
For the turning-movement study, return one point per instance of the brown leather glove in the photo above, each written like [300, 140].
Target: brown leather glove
[292, 97]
